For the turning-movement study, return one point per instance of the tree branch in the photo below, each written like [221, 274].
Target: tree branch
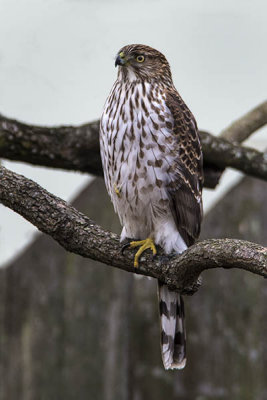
[242, 128]
[78, 234]
[237, 132]
[223, 154]
[77, 148]
[66, 147]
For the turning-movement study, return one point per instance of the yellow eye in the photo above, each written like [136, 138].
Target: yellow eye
[140, 59]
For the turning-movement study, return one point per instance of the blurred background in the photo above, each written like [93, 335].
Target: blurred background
[70, 328]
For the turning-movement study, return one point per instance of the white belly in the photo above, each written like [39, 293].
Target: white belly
[137, 155]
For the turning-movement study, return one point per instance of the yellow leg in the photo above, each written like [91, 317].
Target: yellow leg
[144, 245]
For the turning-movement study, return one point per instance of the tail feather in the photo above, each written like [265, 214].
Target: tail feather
[173, 337]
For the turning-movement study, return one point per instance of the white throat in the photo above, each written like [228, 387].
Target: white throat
[129, 73]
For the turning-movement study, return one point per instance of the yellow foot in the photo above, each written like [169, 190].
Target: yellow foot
[144, 245]
[117, 190]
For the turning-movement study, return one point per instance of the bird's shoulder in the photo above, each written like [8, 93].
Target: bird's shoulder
[185, 131]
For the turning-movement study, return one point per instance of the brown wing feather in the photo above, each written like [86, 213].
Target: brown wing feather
[186, 187]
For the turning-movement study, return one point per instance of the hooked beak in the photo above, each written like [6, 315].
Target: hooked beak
[120, 59]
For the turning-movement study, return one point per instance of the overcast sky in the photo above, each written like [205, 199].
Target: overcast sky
[57, 67]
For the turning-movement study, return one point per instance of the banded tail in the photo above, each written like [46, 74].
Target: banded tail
[172, 323]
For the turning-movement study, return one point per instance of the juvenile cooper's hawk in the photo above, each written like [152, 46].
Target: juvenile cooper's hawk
[152, 163]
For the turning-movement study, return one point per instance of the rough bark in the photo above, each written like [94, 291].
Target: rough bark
[77, 148]
[66, 147]
[225, 154]
[78, 234]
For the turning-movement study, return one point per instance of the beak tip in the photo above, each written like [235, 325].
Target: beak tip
[119, 61]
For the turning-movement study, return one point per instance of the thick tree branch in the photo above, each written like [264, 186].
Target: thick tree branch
[77, 148]
[225, 154]
[66, 147]
[78, 234]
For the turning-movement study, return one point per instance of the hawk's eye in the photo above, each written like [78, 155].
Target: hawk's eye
[140, 59]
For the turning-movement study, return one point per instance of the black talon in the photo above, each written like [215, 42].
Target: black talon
[124, 247]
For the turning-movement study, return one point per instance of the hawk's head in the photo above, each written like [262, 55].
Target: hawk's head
[140, 62]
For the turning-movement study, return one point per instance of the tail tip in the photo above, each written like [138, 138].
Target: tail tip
[175, 364]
